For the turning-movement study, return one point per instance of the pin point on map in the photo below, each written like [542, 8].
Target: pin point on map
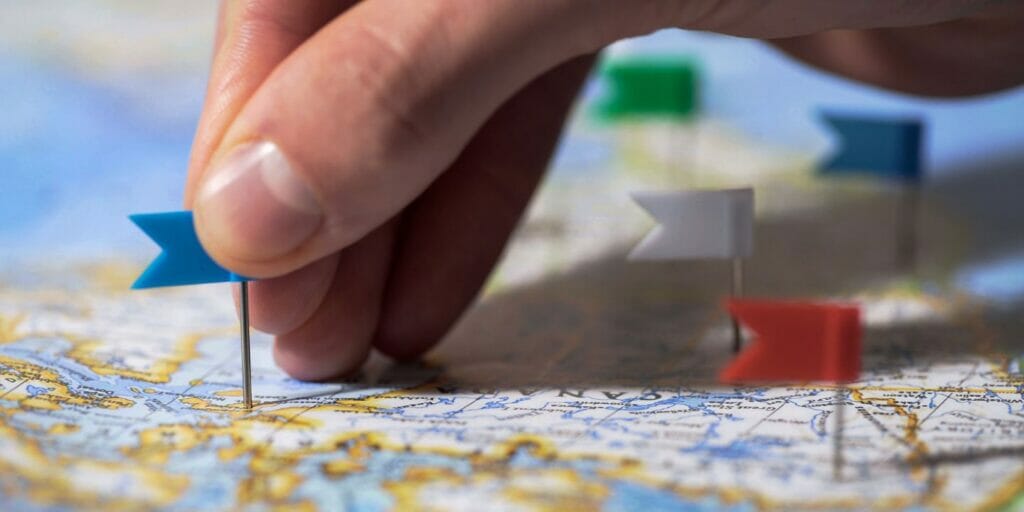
[184, 262]
[889, 148]
[800, 342]
[700, 224]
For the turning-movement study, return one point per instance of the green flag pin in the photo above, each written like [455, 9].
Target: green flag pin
[648, 87]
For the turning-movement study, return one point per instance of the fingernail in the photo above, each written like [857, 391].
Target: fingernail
[254, 206]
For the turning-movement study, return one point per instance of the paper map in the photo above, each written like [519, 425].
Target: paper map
[580, 381]
[592, 388]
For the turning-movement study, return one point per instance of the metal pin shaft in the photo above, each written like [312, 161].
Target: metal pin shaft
[246, 363]
[837, 435]
[737, 291]
[906, 227]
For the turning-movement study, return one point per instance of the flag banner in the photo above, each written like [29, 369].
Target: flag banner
[697, 224]
[648, 87]
[886, 147]
[796, 342]
[183, 260]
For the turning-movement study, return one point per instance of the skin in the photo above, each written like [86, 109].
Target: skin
[423, 129]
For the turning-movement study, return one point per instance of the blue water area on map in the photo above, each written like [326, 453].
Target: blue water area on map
[818, 428]
[364, 490]
[694, 402]
[219, 486]
[36, 390]
[752, 448]
[628, 496]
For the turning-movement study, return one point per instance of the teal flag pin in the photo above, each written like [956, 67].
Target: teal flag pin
[882, 146]
[183, 262]
[885, 147]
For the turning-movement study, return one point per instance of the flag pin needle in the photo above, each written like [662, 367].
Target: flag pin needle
[185, 262]
[246, 360]
[737, 292]
[837, 436]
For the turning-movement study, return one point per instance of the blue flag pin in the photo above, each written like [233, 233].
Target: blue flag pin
[886, 147]
[183, 261]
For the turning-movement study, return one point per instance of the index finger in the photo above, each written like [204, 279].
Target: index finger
[253, 37]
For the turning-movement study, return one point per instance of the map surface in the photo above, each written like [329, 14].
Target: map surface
[587, 388]
[579, 381]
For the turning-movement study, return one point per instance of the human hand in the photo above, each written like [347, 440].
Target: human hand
[371, 159]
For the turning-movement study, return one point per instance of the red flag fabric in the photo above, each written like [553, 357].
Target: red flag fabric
[796, 342]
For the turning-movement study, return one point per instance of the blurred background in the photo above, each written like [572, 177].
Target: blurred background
[100, 99]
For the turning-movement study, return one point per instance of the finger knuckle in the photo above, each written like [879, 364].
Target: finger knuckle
[274, 15]
[386, 70]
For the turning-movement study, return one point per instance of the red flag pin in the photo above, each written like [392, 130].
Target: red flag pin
[800, 342]
[796, 342]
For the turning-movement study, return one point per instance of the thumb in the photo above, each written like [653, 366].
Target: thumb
[363, 117]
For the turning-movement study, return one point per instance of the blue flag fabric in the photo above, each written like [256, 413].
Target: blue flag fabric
[885, 147]
[183, 260]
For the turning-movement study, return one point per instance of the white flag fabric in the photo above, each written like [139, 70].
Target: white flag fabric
[697, 224]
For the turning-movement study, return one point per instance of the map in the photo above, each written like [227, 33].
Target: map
[589, 388]
[578, 381]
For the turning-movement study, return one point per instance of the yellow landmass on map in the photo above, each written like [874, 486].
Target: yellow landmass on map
[114, 277]
[91, 353]
[17, 377]
[9, 327]
[546, 489]
[85, 483]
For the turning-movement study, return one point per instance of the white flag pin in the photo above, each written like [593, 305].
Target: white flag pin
[696, 224]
